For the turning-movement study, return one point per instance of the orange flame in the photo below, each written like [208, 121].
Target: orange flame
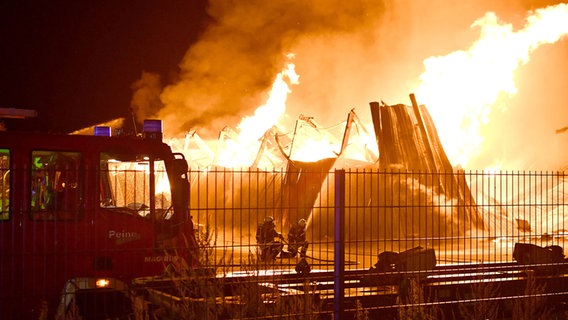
[241, 150]
[313, 144]
[461, 89]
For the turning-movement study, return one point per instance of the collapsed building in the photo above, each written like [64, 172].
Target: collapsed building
[410, 190]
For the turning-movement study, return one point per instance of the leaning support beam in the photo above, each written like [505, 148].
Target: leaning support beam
[347, 132]
[432, 163]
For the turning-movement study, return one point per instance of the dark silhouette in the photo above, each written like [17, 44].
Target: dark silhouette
[268, 240]
[297, 239]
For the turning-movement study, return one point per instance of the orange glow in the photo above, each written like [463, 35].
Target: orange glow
[313, 144]
[253, 143]
[141, 170]
[102, 283]
[162, 181]
[240, 149]
[463, 88]
[463, 91]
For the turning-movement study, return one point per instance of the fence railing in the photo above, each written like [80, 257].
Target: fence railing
[466, 216]
[381, 245]
[472, 221]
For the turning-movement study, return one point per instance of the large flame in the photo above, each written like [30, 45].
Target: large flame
[349, 59]
[242, 149]
[312, 143]
[463, 88]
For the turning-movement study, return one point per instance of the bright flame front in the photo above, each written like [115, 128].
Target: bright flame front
[463, 88]
[463, 91]
[241, 150]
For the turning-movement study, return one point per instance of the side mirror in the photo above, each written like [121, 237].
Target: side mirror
[180, 167]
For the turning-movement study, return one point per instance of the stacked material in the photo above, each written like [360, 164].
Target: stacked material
[408, 142]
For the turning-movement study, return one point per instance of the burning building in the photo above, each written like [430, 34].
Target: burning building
[262, 167]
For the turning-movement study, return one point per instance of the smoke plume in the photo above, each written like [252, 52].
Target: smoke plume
[146, 97]
[347, 54]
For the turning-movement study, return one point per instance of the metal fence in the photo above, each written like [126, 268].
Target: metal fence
[373, 234]
[382, 245]
[465, 217]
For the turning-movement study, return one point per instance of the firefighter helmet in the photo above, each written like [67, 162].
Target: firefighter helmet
[269, 219]
[302, 222]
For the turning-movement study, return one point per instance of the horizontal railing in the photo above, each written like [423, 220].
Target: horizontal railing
[471, 220]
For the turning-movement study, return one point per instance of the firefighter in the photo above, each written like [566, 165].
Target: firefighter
[269, 240]
[297, 239]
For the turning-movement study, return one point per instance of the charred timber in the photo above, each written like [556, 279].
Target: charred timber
[408, 141]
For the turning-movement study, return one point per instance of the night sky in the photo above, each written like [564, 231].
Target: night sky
[74, 62]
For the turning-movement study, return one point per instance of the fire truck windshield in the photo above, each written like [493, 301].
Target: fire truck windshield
[127, 183]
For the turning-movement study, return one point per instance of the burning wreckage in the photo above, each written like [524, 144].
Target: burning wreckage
[233, 200]
[407, 141]
[302, 189]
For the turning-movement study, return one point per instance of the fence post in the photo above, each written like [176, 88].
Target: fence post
[339, 236]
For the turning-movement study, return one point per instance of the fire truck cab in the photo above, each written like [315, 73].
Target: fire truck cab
[81, 216]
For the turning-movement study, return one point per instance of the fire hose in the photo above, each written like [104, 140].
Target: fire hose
[318, 259]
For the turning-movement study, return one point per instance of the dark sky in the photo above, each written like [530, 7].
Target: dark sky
[74, 61]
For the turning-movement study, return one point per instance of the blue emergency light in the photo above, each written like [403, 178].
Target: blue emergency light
[102, 131]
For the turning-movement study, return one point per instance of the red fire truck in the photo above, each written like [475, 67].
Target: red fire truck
[81, 216]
